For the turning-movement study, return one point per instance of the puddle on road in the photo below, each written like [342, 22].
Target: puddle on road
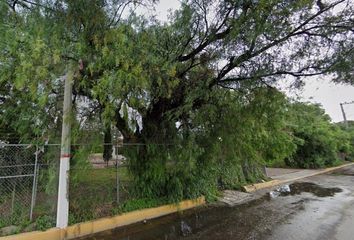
[207, 223]
[246, 221]
[299, 187]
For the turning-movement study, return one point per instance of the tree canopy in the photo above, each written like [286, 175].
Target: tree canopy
[205, 76]
[165, 71]
[319, 142]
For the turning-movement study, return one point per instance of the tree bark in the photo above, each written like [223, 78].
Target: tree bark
[107, 147]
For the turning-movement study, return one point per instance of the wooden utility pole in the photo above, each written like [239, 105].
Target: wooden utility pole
[343, 112]
[63, 190]
[344, 117]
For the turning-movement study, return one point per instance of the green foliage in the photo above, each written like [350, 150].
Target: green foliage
[246, 132]
[136, 204]
[48, 173]
[45, 222]
[208, 73]
[138, 63]
[225, 147]
[163, 170]
[346, 140]
[19, 217]
[93, 192]
[319, 142]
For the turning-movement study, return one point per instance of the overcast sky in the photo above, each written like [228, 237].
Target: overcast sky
[329, 95]
[317, 90]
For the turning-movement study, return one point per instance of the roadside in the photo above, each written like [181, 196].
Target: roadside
[290, 175]
[279, 176]
[323, 218]
[259, 192]
[315, 208]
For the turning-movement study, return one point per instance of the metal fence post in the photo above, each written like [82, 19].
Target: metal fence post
[34, 189]
[36, 185]
[13, 197]
[117, 175]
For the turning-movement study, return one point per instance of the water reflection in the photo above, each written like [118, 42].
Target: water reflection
[245, 221]
[300, 187]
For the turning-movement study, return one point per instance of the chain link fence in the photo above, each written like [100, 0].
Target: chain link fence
[17, 180]
[28, 183]
[99, 185]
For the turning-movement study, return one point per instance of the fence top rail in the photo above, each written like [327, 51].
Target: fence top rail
[27, 144]
[17, 176]
[83, 144]
[16, 145]
[17, 165]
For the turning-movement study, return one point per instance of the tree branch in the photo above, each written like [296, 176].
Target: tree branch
[235, 61]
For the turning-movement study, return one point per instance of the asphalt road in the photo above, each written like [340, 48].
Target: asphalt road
[329, 217]
[319, 207]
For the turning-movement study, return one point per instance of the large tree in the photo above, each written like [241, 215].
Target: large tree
[155, 81]
[164, 72]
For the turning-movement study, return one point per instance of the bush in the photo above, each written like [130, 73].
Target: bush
[224, 146]
[319, 142]
[44, 222]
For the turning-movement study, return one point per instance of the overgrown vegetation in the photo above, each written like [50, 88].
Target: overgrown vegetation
[136, 204]
[319, 142]
[194, 94]
[93, 192]
[225, 147]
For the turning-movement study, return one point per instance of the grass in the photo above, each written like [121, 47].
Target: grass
[137, 204]
[93, 195]
[100, 176]
[93, 192]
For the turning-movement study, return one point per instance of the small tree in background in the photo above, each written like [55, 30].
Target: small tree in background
[319, 142]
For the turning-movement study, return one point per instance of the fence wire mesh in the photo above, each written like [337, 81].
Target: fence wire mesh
[28, 183]
[99, 182]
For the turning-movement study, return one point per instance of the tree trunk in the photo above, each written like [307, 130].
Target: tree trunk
[107, 148]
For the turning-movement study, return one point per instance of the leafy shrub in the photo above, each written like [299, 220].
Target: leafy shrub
[319, 142]
[44, 222]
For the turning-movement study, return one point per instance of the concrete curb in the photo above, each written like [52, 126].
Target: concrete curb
[102, 224]
[272, 183]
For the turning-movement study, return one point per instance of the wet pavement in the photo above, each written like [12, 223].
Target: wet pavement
[318, 207]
